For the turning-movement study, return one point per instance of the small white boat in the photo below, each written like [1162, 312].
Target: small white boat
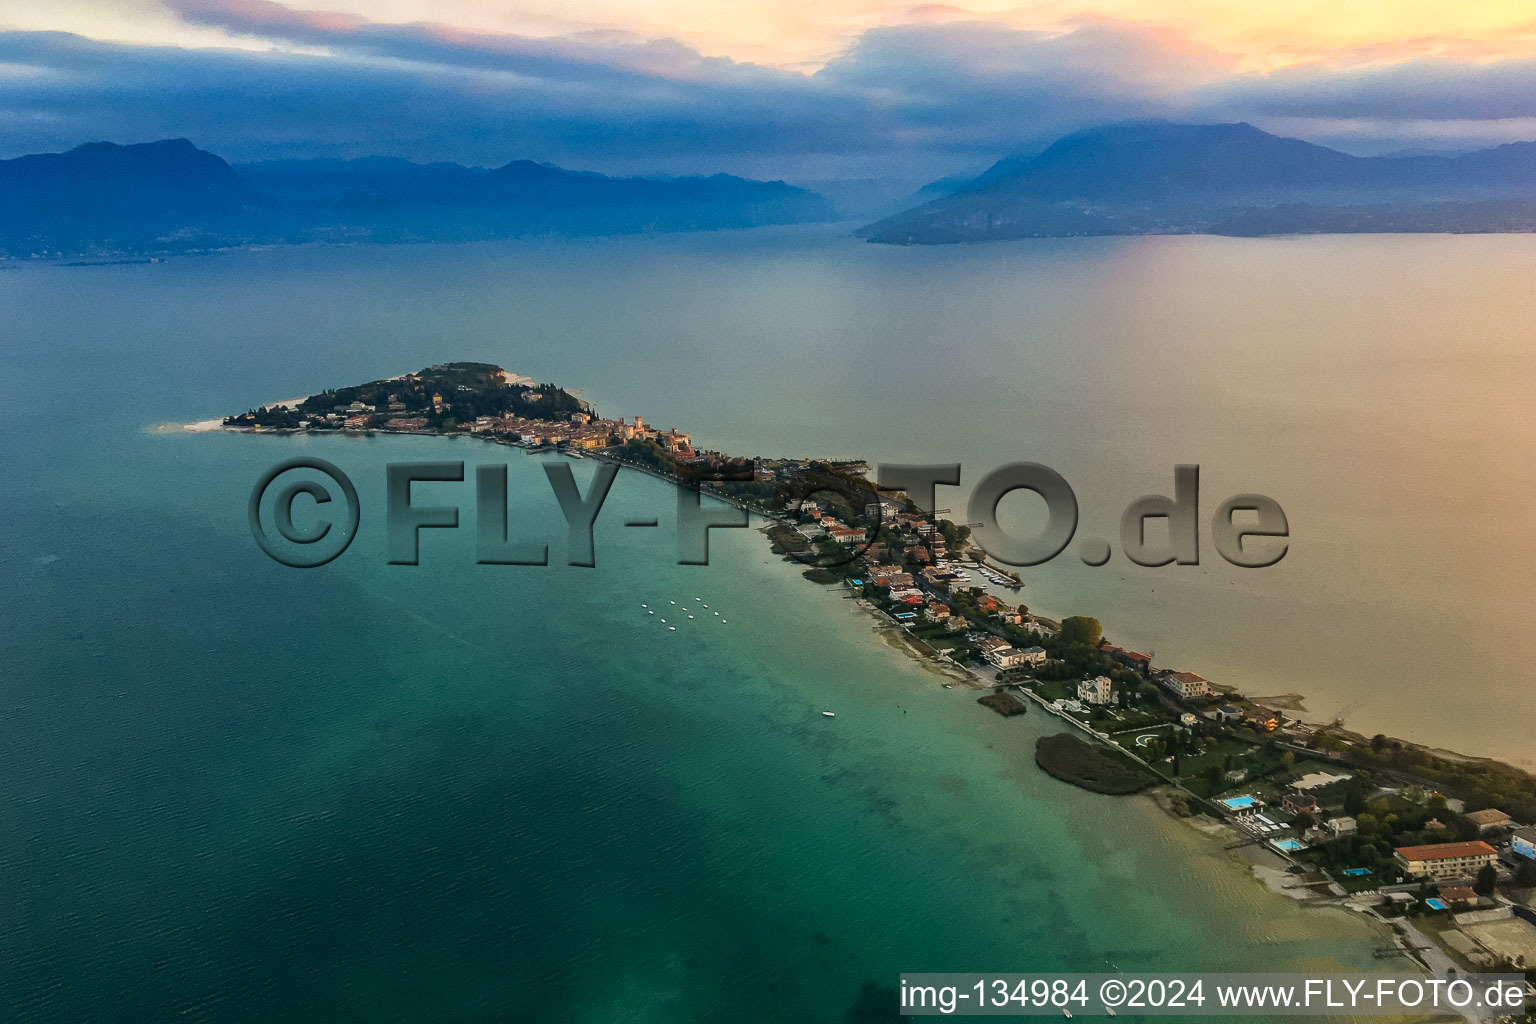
[1067, 1014]
[1110, 1010]
[672, 629]
[690, 616]
[828, 714]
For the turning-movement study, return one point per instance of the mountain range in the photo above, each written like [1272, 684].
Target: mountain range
[167, 196]
[1143, 177]
[1163, 178]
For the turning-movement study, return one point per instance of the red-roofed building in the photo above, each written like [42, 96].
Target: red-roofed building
[1444, 860]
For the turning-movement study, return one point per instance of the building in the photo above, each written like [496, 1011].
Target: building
[1229, 712]
[1459, 896]
[1095, 691]
[1444, 860]
[1300, 803]
[1136, 661]
[1492, 818]
[1340, 827]
[846, 534]
[1265, 719]
[936, 612]
[1185, 685]
[1523, 843]
[1034, 655]
[1006, 657]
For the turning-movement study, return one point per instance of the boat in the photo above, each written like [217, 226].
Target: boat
[1110, 1010]
[829, 714]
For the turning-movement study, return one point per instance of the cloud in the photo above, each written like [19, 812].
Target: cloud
[1424, 89]
[919, 99]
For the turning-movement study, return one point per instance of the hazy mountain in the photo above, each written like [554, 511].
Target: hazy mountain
[99, 195]
[1156, 177]
[163, 196]
[391, 199]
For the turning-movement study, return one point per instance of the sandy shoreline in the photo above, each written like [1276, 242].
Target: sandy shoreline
[217, 423]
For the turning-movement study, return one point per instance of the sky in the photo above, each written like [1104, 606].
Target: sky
[794, 89]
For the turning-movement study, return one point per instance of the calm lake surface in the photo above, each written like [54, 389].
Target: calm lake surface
[235, 791]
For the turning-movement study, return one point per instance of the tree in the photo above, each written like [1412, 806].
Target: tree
[1378, 743]
[1487, 880]
[1304, 821]
[1525, 874]
[1080, 629]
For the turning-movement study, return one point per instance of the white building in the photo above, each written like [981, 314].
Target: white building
[1095, 691]
[1340, 826]
[1006, 657]
[1186, 685]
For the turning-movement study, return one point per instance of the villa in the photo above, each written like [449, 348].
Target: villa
[1095, 691]
[1338, 827]
[1299, 804]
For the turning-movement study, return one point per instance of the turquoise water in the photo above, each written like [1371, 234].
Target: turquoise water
[1378, 387]
[235, 791]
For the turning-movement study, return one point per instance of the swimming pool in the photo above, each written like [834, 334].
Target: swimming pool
[1356, 872]
[1434, 904]
[1238, 803]
[1288, 845]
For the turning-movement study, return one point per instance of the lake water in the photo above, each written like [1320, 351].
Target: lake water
[231, 790]
[1378, 387]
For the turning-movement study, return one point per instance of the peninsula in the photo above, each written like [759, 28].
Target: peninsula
[1416, 836]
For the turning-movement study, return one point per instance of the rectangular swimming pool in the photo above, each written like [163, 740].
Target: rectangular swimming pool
[1434, 904]
[1238, 803]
